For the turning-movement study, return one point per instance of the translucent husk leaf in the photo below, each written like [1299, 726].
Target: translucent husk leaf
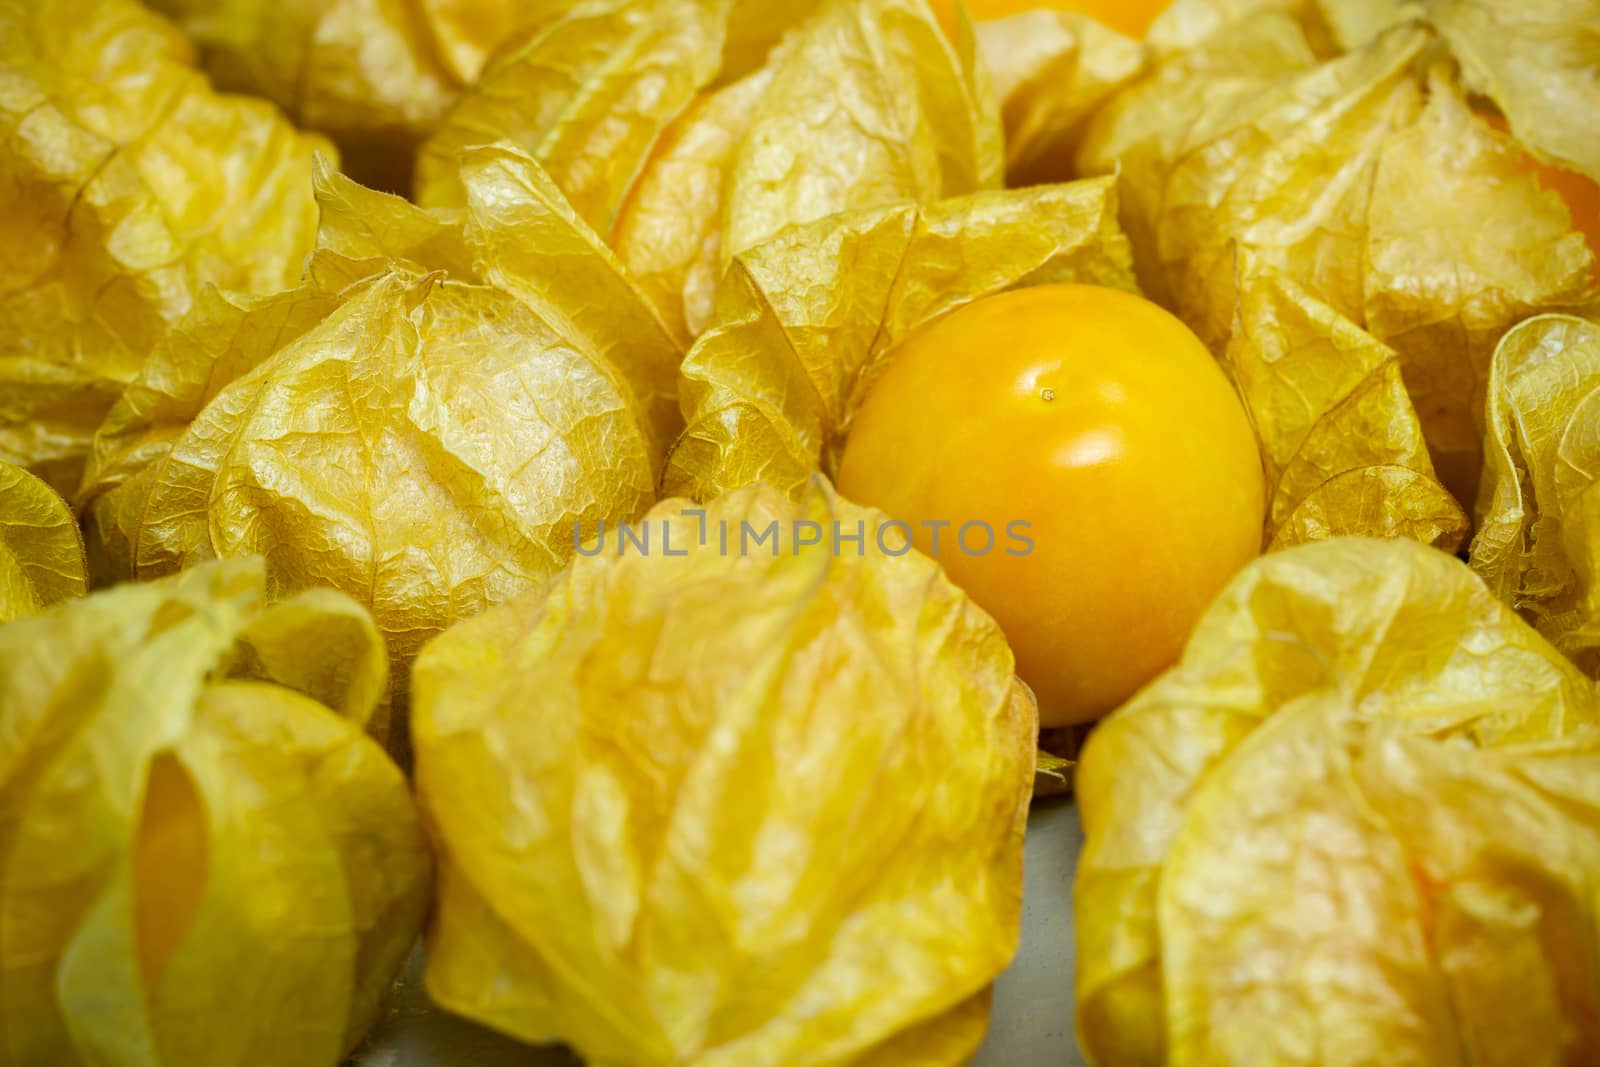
[669, 232]
[41, 551]
[635, 112]
[1058, 755]
[1367, 178]
[529, 242]
[1186, 25]
[247, 872]
[1344, 892]
[1379, 635]
[1536, 60]
[918, 122]
[375, 75]
[1497, 248]
[1150, 123]
[755, 28]
[1538, 541]
[1378, 501]
[587, 95]
[1354, 23]
[805, 321]
[1263, 162]
[129, 185]
[428, 424]
[648, 861]
[1342, 445]
[1052, 71]
[1334, 25]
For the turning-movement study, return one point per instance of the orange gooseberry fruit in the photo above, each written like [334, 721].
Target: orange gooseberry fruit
[1080, 464]
[1129, 17]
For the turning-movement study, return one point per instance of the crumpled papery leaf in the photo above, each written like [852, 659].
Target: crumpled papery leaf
[41, 551]
[869, 106]
[587, 94]
[669, 232]
[246, 871]
[806, 321]
[1354, 23]
[1185, 24]
[1052, 71]
[753, 805]
[1538, 541]
[1336, 832]
[1368, 178]
[865, 104]
[128, 185]
[375, 75]
[1342, 446]
[1058, 755]
[1479, 866]
[1537, 61]
[755, 28]
[428, 424]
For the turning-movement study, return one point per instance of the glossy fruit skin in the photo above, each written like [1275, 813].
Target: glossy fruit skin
[1101, 421]
[1129, 17]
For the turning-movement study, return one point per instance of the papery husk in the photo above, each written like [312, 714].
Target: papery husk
[246, 872]
[430, 423]
[377, 76]
[1052, 71]
[1185, 24]
[1333, 758]
[669, 232]
[129, 185]
[587, 94]
[1536, 61]
[1341, 444]
[1422, 888]
[41, 550]
[684, 152]
[927, 127]
[805, 322]
[1368, 177]
[1058, 755]
[716, 804]
[1538, 541]
[755, 28]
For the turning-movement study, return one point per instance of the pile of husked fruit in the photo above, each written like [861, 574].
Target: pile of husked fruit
[643, 493]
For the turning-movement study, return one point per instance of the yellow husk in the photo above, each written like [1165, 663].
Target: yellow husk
[41, 551]
[203, 859]
[712, 806]
[689, 131]
[1342, 446]
[1369, 176]
[375, 75]
[805, 322]
[1052, 71]
[129, 185]
[429, 423]
[1538, 541]
[1353, 825]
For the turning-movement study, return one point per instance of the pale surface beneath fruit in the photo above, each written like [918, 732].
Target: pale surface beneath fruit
[1032, 1006]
